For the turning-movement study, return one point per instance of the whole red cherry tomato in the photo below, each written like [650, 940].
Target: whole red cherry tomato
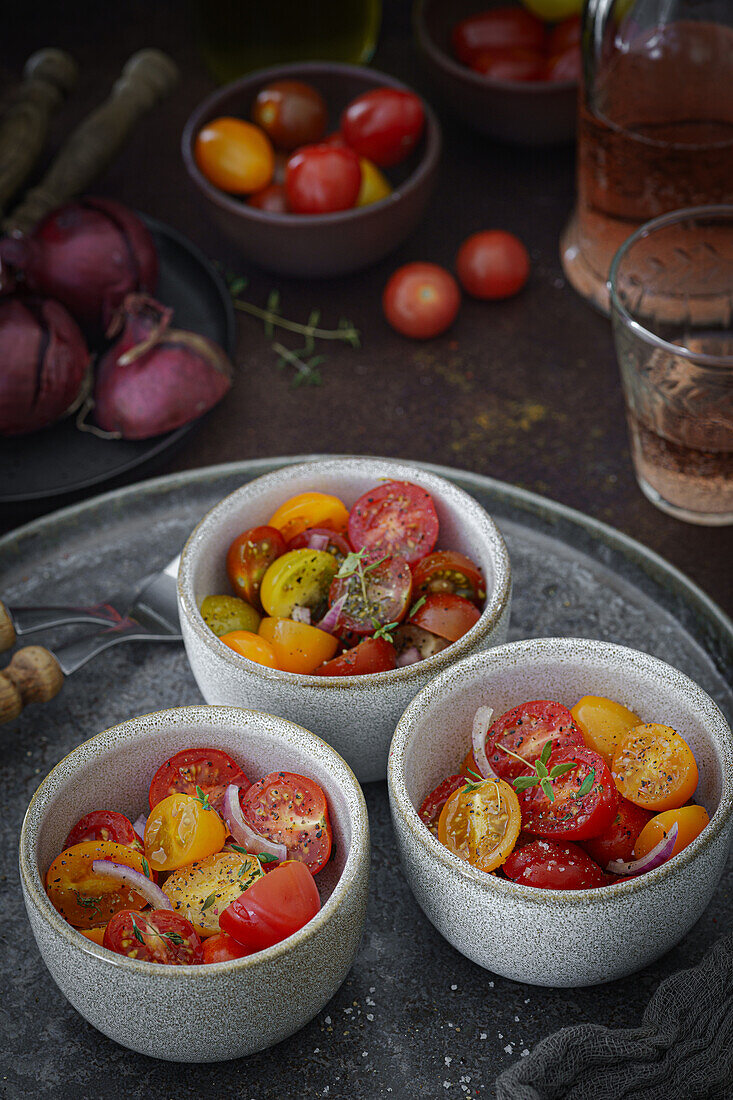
[222, 948]
[322, 178]
[421, 300]
[273, 907]
[384, 125]
[552, 866]
[273, 199]
[492, 264]
[504, 28]
[564, 35]
[565, 66]
[510, 64]
[291, 112]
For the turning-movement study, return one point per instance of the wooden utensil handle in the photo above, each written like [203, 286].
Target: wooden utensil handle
[146, 78]
[7, 630]
[33, 676]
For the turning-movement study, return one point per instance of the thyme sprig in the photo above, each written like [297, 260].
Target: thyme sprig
[539, 774]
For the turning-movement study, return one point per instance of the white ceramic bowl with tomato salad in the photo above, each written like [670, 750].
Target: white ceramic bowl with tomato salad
[558, 937]
[213, 1012]
[356, 714]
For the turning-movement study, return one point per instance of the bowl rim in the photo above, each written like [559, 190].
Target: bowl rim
[129, 732]
[432, 138]
[544, 648]
[443, 60]
[496, 603]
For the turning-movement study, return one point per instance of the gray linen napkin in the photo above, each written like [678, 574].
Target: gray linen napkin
[682, 1051]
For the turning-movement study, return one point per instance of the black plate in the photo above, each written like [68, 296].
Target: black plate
[61, 460]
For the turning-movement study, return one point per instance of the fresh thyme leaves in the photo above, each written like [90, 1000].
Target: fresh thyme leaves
[136, 931]
[354, 565]
[203, 798]
[586, 785]
[146, 867]
[476, 776]
[86, 901]
[174, 937]
[208, 902]
[539, 776]
[385, 631]
[416, 606]
[471, 787]
[265, 857]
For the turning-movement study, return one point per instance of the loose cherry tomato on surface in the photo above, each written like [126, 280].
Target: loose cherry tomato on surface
[603, 723]
[480, 823]
[310, 510]
[655, 768]
[300, 578]
[251, 646]
[492, 264]
[618, 840]
[249, 557]
[181, 829]
[222, 614]
[273, 199]
[376, 595]
[384, 125]
[552, 11]
[320, 179]
[291, 810]
[312, 538]
[585, 799]
[201, 890]
[371, 655]
[567, 65]
[374, 185]
[234, 155]
[273, 908]
[104, 825]
[222, 948]
[510, 64]
[449, 571]
[525, 730]
[291, 113]
[552, 866]
[211, 770]
[446, 615]
[432, 806]
[395, 518]
[84, 898]
[298, 646]
[504, 28]
[161, 936]
[690, 821]
[564, 35]
[421, 300]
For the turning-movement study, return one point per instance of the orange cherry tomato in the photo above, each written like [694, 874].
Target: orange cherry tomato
[298, 646]
[180, 829]
[655, 768]
[691, 820]
[603, 723]
[251, 646]
[310, 510]
[481, 822]
[96, 935]
[88, 900]
[234, 155]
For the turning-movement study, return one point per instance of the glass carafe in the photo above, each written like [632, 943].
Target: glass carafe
[655, 128]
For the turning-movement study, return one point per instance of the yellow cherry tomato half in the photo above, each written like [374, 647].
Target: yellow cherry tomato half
[480, 823]
[603, 723]
[298, 646]
[654, 768]
[96, 935]
[88, 900]
[204, 888]
[374, 184]
[691, 820]
[309, 510]
[251, 646]
[553, 11]
[234, 155]
[180, 829]
[300, 578]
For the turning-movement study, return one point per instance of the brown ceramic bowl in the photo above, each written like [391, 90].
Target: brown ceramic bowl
[318, 244]
[533, 112]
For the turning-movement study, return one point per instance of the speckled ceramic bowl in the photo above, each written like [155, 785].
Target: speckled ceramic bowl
[355, 714]
[551, 937]
[222, 1010]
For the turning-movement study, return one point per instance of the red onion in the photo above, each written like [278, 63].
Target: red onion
[155, 378]
[137, 881]
[409, 656]
[242, 832]
[43, 363]
[88, 255]
[481, 726]
[658, 855]
[330, 620]
[139, 826]
[301, 615]
[317, 542]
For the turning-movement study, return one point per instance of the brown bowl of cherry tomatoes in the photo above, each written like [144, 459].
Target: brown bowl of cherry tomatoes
[501, 69]
[316, 168]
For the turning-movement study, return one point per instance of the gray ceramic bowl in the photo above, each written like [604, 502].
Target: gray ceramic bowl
[222, 1010]
[552, 937]
[536, 112]
[355, 714]
[322, 244]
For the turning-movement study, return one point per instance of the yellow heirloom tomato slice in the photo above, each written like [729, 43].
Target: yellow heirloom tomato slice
[603, 723]
[203, 889]
[309, 510]
[690, 821]
[180, 829]
[88, 900]
[655, 768]
[480, 823]
[300, 578]
[298, 647]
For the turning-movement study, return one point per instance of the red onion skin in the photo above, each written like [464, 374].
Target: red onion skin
[43, 363]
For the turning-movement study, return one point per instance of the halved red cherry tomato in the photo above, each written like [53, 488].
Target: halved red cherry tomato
[223, 948]
[371, 655]
[104, 825]
[273, 199]
[291, 113]
[273, 907]
[248, 559]
[395, 518]
[510, 64]
[380, 594]
[655, 768]
[499, 29]
[210, 769]
[383, 125]
[585, 798]
[312, 539]
[552, 866]
[322, 178]
[619, 839]
[446, 615]
[492, 264]
[525, 730]
[449, 571]
[160, 936]
[432, 806]
[421, 300]
[291, 810]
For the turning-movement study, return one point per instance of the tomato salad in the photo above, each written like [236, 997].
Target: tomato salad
[568, 799]
[327, 591]
[218, 869]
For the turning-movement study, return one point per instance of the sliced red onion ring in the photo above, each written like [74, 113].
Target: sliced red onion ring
[409, 657]
[139, 826]
[330, 620]
[658, 855]
[317, 542]
[138, 882]
[481, 726]
[242, 832]
[301, 615]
